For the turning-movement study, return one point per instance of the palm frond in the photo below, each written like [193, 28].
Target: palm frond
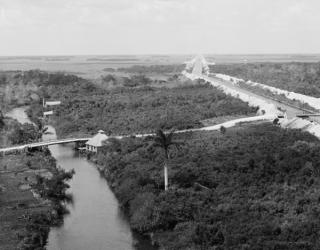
[160, 138]
[165, 140]
[169, 136]
[161, 135]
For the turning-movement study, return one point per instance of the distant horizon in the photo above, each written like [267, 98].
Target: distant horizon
[161, 54]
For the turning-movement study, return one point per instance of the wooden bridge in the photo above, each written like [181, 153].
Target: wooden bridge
[42, 144]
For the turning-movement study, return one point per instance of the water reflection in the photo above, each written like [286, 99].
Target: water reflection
[19, 114]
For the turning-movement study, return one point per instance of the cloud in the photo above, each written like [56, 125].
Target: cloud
[158, 26]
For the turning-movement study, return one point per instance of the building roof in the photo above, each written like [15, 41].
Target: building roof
[52, 103]
[97, 140]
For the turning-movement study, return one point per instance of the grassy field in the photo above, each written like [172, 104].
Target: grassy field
[92, 67]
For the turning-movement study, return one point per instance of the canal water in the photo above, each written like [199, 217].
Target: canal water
[19, 114]
[95, 221]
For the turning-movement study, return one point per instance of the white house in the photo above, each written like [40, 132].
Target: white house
[53, 103]
[46, 113]
[96, 142]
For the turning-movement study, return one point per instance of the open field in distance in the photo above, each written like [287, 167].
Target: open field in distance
[92, 66]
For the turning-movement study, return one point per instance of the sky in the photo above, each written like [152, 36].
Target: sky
[95, 27]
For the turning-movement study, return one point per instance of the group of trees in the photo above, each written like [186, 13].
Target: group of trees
[111, 81]
[25, 133]
[140, 110]
[29, 87]
[38, 222]
[255, 187]
[132, 107]
[14, 133]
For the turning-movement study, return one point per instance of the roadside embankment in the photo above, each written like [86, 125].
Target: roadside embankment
[310, 100]
[293, 123]
[265, 107]
[302, 124]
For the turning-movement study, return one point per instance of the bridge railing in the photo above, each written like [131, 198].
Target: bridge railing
[43, 143]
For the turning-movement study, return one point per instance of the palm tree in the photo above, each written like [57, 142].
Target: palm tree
[42, 129]
[165, 141]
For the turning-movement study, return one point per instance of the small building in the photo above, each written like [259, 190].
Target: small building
[46, 113]
[96, 142]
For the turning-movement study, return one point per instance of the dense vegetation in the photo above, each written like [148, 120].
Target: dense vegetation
[112, 81]
[251, 188]
[117, 104]
[14, 133]
[125, 111]
[26, 87]
[54, 189]
[26, 219]
[132, 105]
[302, 78]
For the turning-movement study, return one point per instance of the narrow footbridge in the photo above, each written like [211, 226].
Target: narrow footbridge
[42, 144]
[227, 124]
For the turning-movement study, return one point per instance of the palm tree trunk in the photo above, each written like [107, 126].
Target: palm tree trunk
[166, 171]
[165, 176]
